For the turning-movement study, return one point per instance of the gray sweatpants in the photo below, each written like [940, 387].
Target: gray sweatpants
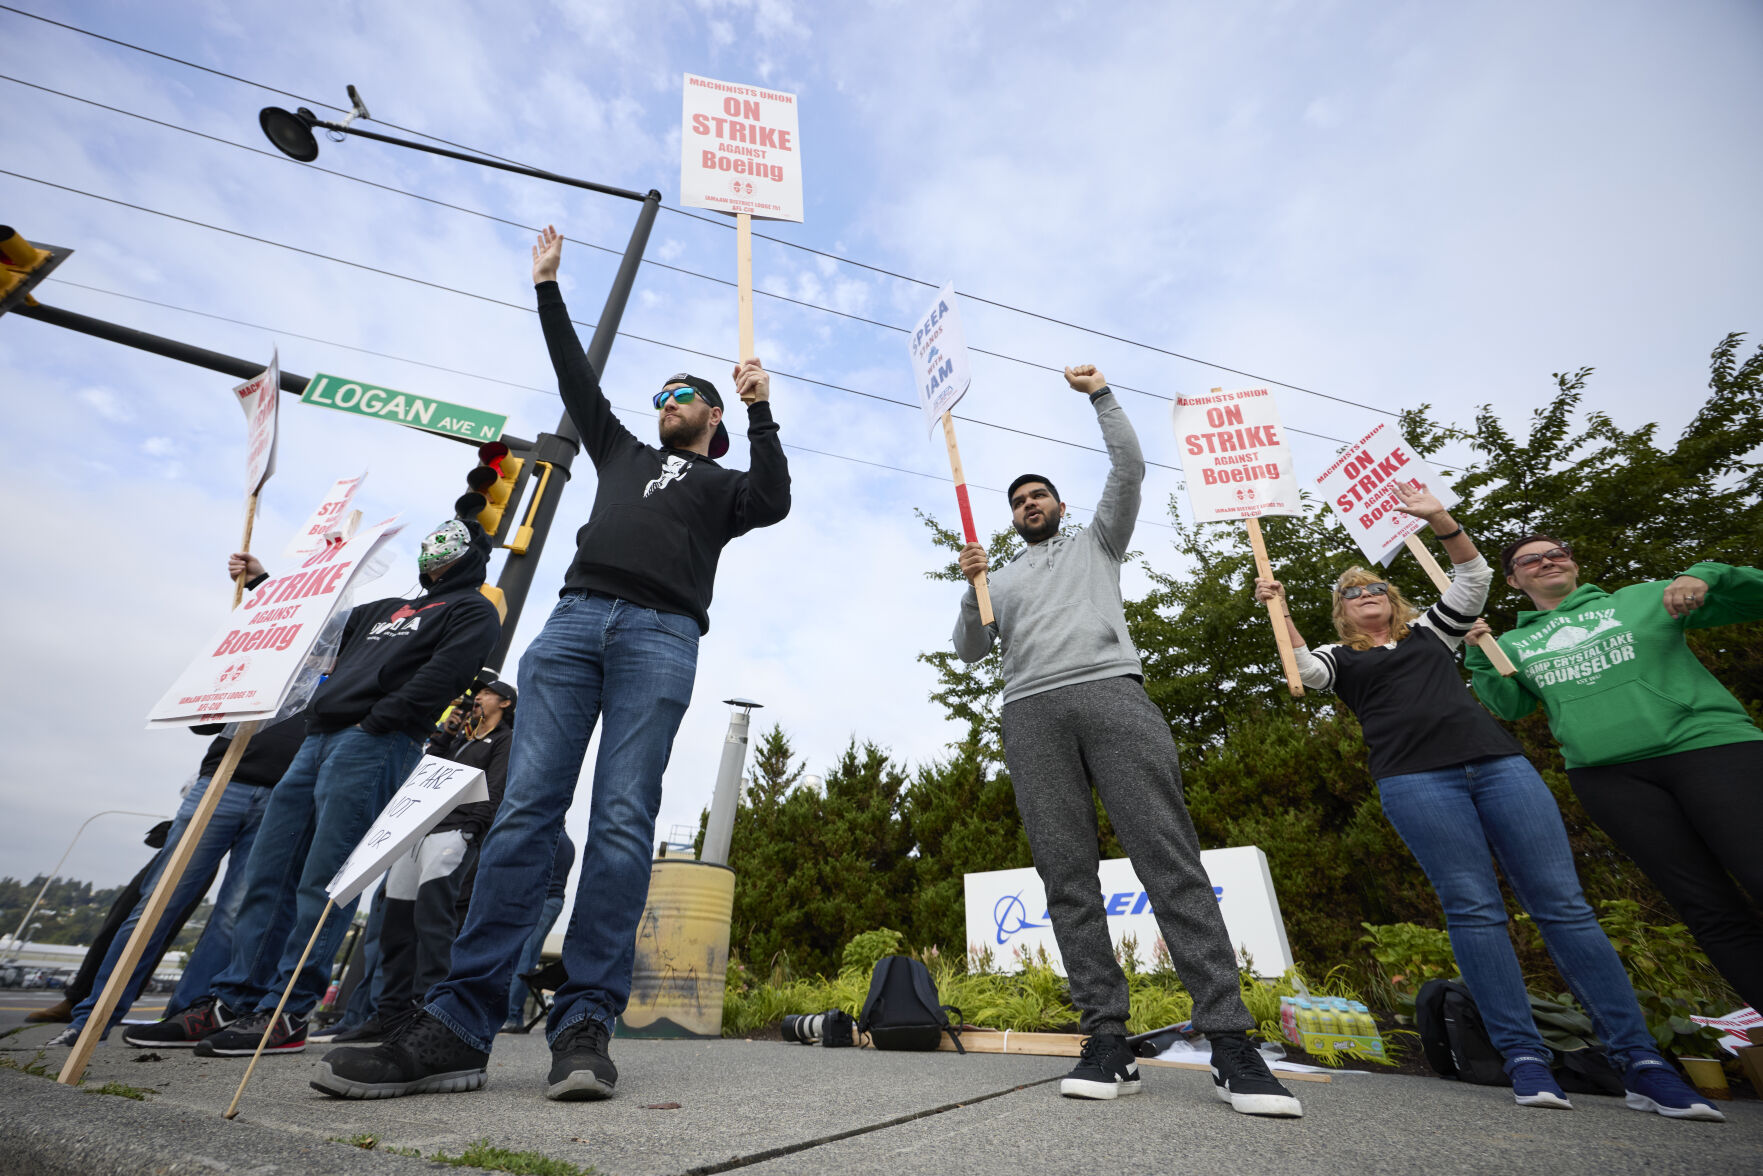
[1109, 735]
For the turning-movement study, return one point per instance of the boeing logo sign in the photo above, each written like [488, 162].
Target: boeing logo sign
[1007, 912]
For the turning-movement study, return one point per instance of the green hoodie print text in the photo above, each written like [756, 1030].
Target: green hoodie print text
[1614, 673]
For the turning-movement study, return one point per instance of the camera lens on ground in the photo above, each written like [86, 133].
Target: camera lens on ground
[803, 1028]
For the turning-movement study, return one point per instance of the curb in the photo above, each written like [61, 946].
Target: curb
[52, 1130]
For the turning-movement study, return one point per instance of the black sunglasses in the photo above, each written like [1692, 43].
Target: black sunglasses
[1561, 554]
[1354, 592]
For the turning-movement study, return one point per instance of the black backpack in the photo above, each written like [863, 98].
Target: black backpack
[1456, 1045]
[901, 1011]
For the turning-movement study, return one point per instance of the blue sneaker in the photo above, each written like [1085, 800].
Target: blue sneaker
[1655, 1086]
[1533, 1085]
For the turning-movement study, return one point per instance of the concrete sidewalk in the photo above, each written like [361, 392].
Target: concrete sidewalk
[775, 1108]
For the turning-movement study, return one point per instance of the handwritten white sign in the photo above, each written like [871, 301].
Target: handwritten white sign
[938, 347]
[434, 789]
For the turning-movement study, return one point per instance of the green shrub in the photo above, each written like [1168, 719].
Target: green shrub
[863, 952]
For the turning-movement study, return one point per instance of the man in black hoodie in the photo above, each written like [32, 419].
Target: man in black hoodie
[399, 665]
[622, 647]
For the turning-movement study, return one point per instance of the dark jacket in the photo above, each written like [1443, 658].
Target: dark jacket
[661, 516]
[402, 661]
[489, 753]
[266, 757]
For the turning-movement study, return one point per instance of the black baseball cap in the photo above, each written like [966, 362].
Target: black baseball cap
[500, 687]
[704, 388]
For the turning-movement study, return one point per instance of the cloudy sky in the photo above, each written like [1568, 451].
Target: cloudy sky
[1389, 203]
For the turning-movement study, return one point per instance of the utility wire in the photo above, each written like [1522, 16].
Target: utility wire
[641, 413]
[723, 223]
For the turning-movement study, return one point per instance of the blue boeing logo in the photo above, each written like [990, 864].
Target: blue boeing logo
[1011, 916]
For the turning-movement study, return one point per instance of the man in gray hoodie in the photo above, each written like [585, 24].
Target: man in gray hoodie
[1076, 718]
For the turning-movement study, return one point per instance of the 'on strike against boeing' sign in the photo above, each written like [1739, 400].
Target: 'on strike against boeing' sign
[739, 151]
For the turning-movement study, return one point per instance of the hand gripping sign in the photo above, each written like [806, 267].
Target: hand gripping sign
[1237, 465]
[1361, 489]
[740, 153]
[433, 790]
[938, 349]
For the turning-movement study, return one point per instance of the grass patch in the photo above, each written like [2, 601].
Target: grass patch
[522, 1163]
[122, 1090]
[37, 1067]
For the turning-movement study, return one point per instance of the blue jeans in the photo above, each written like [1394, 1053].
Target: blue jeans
[324, 804]
[231, 828]
[597, 658]
[529, 959]
[1450, 819]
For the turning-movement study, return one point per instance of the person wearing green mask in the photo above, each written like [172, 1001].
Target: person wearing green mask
[1662, 756]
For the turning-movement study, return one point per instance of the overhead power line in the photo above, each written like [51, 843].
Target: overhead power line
[723, 223]
[530, 310]
[629, 410]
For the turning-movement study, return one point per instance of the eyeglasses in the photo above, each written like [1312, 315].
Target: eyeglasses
[680, 396]
[1357, 590]
[1561, 554]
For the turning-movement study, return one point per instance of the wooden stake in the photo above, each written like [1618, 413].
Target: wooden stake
[75, 1067]
[1441, 581]
[245, 546]
[1281, 637]
[979, 585]
[744, 278]
[232, 1110]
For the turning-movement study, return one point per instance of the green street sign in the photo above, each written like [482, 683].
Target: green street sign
[403, 408]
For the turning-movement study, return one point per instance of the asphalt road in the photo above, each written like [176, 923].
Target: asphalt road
[17, 1003]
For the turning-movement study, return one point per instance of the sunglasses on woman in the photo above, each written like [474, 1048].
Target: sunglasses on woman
[680, 395]
[1357, 590]
[1561, 554]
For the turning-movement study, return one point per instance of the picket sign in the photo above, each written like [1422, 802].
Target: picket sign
[258, 398]
[75, 1067]
[327, 521]
[1360, 487]
[937, 350]
[1237, 465]
[429, 793]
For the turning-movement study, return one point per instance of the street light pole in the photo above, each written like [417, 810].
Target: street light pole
[32, 909]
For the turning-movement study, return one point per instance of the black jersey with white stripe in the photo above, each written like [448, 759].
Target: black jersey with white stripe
[1416, 712]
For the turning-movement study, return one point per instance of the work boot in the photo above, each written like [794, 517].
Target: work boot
[56, 1014]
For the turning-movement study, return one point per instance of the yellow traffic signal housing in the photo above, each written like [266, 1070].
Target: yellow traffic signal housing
[498, 477]
[496, 597]
[22, 266]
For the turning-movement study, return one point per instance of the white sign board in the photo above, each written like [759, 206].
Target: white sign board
[245, 670]
[1360, 486]
[324, 528]
[739, 150]
[259, 397]
[1007, 912]
[938, 348]
[1234, 457]
[434, 789]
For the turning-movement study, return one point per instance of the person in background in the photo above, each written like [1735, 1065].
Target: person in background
[535, 943]
[1461, 794]
[1662, 756]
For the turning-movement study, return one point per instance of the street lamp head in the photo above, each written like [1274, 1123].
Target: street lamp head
[291, 133]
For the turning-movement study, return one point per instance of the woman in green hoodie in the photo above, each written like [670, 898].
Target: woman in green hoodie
[1661, 755]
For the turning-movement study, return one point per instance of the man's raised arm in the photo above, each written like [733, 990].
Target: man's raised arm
[1118, 511]
[577, 381]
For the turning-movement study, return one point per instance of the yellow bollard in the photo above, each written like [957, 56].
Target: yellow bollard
[682, 952]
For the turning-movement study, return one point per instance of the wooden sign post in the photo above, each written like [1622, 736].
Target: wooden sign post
[245, 546]
[1441, 581]
[979, 586]
[232, 1110]
[173, 872]
[744, 276]
[1288, 660]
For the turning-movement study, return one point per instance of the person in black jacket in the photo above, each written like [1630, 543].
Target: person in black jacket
[621, 645]
[420, 920]
[399, 665]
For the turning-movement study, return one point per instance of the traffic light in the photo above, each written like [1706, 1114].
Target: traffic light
[22, 266]
[498, 477]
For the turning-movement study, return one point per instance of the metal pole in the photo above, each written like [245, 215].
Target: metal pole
[32, 909]
[719, 831]
[189, 353]
[560, 448]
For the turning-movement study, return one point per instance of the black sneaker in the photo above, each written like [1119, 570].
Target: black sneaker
[184, 1030]
[1242, 1079]
[422, 1056]
[239, 1040]
[581, 1067]
[368, 1030]
[1106, 1069]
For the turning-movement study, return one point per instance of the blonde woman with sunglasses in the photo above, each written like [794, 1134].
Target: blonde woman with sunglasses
[1461, 795]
